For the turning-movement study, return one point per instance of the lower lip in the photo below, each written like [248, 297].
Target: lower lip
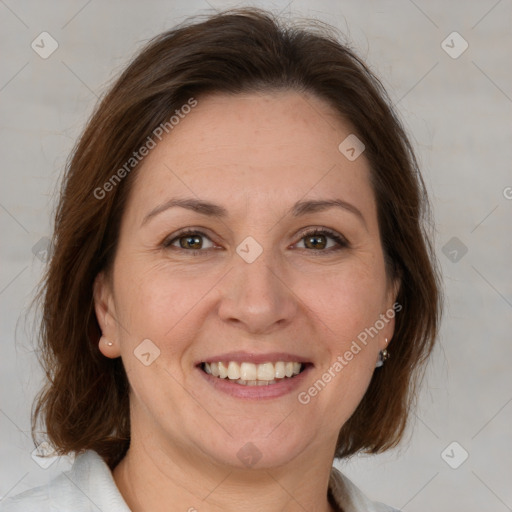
[281, 388]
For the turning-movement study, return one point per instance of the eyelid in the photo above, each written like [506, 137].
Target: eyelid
[187, 231]
[340, 240]
[319, 230]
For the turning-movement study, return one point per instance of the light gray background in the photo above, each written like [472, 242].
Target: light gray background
[458, 112]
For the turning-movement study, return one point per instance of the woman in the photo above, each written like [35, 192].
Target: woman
[241, 288]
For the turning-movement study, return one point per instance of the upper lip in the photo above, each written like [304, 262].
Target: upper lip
[251, 357]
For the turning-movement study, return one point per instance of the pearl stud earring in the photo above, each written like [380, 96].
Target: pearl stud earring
[109, 343]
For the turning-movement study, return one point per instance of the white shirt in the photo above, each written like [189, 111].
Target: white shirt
[90, 487]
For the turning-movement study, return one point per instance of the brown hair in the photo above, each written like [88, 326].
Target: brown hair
[85, 404]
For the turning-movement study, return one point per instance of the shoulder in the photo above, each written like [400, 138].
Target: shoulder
[350, 498]
[31, 500]
[87, 486]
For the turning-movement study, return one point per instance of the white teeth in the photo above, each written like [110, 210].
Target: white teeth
[214, 367]
[250, 374]
[233, 370]
[266, 371]
[248, 371]
[255, 382]
[223, 370]
[279, 368]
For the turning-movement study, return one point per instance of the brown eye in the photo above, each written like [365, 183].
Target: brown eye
[318, 241]
[321, 241]
[190, 241]
[315, 241]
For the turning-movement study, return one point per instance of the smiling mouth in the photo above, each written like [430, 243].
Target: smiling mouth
[250, 374]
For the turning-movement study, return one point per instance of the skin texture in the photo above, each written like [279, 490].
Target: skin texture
[255, 155]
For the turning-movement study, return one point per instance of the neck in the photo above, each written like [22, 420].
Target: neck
[151, 478]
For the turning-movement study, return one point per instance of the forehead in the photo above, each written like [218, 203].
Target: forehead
[281, 146]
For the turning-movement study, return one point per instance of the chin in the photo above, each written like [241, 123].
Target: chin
[250, 451]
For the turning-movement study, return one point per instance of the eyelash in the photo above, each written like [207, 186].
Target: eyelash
[340, 240]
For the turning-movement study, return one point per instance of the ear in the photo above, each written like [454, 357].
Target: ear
[392, 307]
[105, 313]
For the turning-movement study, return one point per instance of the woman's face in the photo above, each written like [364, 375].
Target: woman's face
[251, 278]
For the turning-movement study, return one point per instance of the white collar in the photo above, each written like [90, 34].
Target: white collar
[90, 485]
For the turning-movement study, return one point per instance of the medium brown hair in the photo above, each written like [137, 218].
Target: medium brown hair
[85, 404]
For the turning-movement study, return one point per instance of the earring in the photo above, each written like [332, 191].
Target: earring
[109, 343]
[383, 355]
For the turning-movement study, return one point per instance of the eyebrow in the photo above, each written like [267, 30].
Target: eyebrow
[299, 209]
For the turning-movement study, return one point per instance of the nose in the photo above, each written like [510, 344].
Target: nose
[258, 297]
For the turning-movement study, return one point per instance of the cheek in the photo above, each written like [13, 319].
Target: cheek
[162, 304]
[346, 301]
[345, 393]
[154, 305]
